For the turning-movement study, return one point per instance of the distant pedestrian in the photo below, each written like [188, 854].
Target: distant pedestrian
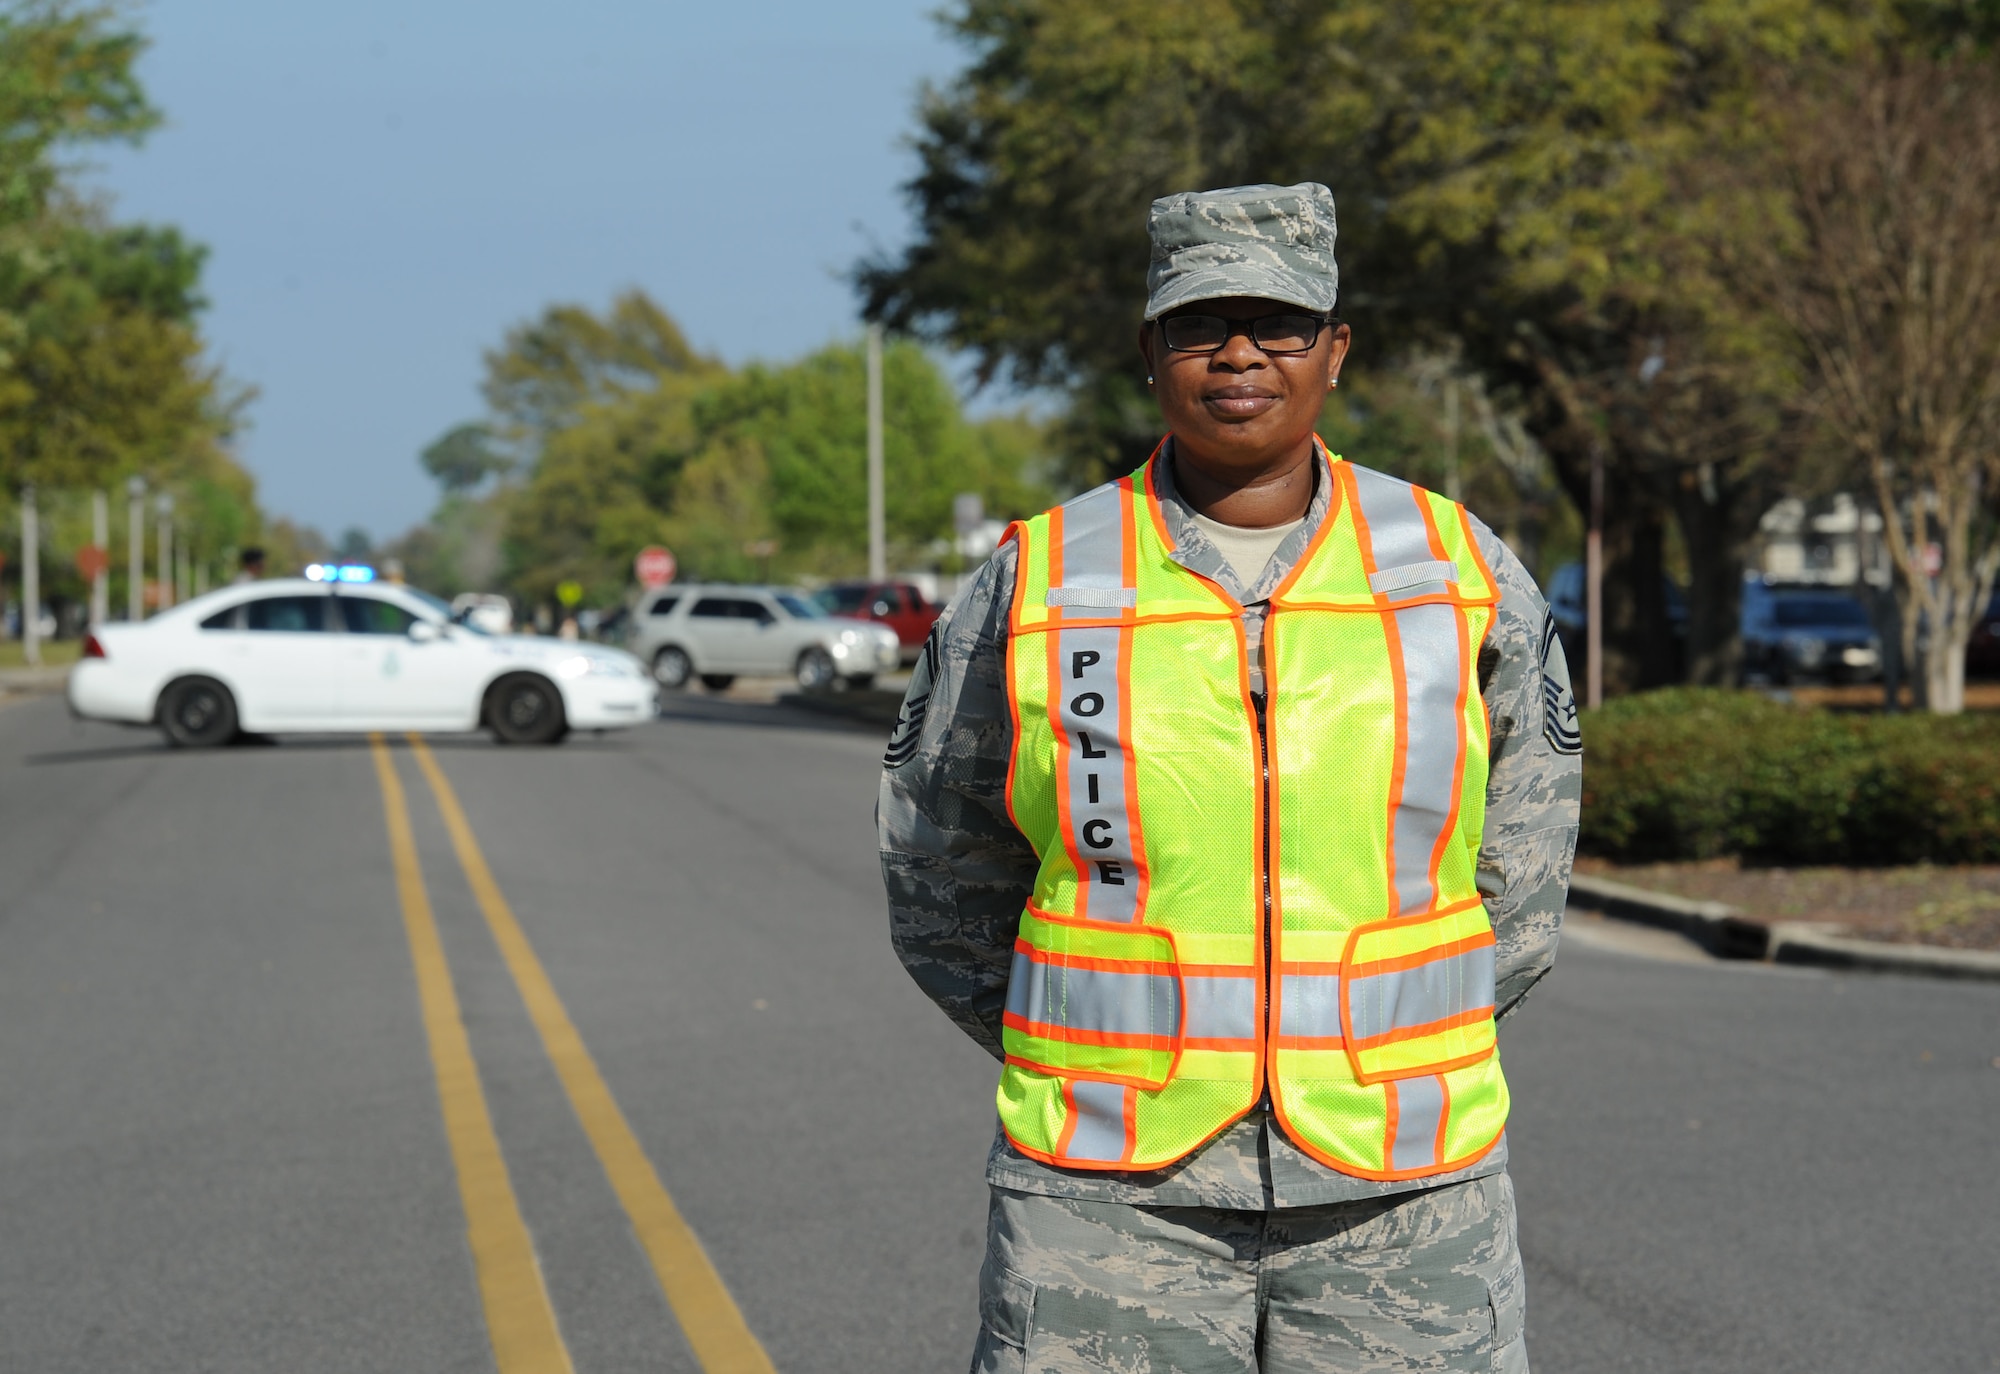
[1231, 805]
[250, 566]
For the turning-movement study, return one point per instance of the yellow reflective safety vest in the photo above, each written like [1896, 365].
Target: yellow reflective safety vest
[1235, 894]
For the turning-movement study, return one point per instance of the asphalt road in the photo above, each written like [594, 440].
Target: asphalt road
[222, 1145]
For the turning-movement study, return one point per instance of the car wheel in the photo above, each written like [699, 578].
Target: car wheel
[525, 709]
[860, 682]
[672, 667]
[718, 682]
[198, 713]
[814, 669]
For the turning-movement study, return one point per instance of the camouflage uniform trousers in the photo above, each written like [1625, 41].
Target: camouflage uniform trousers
[1423, 1280]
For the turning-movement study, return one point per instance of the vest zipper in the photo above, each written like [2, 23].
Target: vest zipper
[1257, 700]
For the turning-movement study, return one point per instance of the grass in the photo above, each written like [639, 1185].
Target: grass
[56, 653]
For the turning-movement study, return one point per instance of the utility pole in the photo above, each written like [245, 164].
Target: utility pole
[1593, 573]
[31, 577]
[135, 549]
[878, 550]
[163, 506]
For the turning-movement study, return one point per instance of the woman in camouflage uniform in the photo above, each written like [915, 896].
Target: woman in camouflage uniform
[1249, 1254]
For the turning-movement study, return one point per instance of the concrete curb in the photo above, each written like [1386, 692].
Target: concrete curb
[872, 706]
[33, 680]
[1723, 931]
[1717, 928]
[1805, 942]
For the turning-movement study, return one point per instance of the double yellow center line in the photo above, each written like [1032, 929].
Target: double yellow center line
[519, 1318]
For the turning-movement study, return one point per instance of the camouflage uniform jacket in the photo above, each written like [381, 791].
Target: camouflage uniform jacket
[958, 872]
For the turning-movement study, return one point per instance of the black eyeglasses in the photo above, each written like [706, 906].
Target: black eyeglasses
[1290, 332]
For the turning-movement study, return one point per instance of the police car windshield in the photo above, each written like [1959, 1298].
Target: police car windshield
[443, 608]
[800, 607]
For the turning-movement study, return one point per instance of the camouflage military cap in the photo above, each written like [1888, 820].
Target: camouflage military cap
[1275, 242]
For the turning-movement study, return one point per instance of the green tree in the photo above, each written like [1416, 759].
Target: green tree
[101, 369]
[602, 408]
[463, 457]
[800, 431]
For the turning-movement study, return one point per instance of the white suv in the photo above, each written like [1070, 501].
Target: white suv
[721, 632]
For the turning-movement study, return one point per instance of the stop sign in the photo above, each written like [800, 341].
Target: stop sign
[655, 566]
[91, 560]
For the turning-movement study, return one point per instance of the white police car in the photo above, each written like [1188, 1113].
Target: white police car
[336, 652]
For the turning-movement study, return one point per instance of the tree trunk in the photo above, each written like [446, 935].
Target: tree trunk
[1640, 649]
[1711, 521]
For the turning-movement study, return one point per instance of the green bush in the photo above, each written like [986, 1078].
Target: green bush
[1694, 773]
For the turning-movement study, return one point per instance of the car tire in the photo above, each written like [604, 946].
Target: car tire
[814, 669]
[525, 708]
[198, 713]
[672, 667]
[718, 682]
[860, 682]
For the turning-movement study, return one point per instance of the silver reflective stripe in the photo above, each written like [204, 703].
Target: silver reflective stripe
[1093, 541]
[1110, 598]
[1419, 1107]
[1431, 678]
[1437, 570]
[1089, 710]
[1311, 1005]
[1090, 713]
[1093, 999]
[1100, 1121]
[1396, 530]
[1221, 1008]
[1385, 1002]
[1432, 675]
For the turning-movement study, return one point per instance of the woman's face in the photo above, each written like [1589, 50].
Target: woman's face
[1241, 410]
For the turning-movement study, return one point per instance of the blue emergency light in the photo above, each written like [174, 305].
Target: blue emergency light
[339, 572]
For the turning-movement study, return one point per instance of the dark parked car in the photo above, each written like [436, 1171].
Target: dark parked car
[1793, 634]
[1982, 653]
[900, 606]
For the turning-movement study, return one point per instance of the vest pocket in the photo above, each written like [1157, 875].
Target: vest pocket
[1095, 1001]
[1417, 994]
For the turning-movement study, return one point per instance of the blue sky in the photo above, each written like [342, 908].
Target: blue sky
[385, 187]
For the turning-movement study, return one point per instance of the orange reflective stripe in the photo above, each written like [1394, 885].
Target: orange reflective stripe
[1469, 1017]
[1428, 955]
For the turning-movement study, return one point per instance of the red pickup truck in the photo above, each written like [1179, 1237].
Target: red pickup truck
[900, 606]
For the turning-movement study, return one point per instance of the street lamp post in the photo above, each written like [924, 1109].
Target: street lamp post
[100, 535]
[878, 543]
[135, 549]
[163, 507]
[31, 577]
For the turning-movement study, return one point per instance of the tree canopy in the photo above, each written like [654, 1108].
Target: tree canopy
[102, 366]
[1515, 194]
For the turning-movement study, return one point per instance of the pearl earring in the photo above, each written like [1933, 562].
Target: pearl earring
[1332, 384]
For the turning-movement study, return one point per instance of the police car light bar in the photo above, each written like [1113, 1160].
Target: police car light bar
[339, 572]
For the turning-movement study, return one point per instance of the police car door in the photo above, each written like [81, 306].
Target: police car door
[401, 671]
[277, 653]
